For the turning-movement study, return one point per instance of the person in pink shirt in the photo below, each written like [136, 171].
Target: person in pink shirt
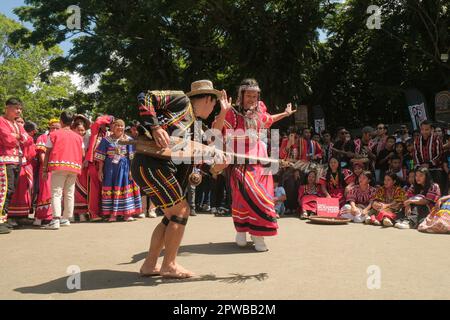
[13, 139]
[64, 159]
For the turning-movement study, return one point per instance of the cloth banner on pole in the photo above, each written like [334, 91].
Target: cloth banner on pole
[418, 115]
[417, 107]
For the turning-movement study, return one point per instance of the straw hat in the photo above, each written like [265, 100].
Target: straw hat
[80, 117]
[203, 87]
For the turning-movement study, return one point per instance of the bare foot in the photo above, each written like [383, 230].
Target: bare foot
[150, 271]
[176, 272]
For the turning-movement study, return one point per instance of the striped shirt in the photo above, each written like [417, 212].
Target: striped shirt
[428, 151]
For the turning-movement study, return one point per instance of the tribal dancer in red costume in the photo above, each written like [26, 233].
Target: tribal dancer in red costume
[44, 213]
[252, 188]
[98, 132]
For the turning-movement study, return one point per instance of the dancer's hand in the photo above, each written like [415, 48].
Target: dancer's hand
[161, 137]
[225, 103]
[100, 175]
[221, 161]
[289, 110]
[438, 204]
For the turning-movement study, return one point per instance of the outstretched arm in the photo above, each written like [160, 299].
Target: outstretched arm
[287, 113]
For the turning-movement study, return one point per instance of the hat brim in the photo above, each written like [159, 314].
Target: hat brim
[86, 121]
[217, 93]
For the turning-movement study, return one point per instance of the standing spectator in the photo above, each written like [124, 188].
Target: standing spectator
[44, 213]
[289, 146]
[316, 137]
[327, 147]
[310, 150]
[400, 150]
[363, 148]
[344, 149]
[120, 194]
[422, 197]
[408, 158]
[203, 194]
[217, 193]
[404, 134]
[439, 133]
[80, 125]
[429, 153]
[64, 159]
[98, 132]
[383, 158]
[13, 139]
[395, 167]
[22, 199]
[380, 139]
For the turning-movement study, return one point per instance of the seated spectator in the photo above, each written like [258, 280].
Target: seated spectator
[358, 168]
[438, 221]
[359, 199]
[387, 203]
[422, 196]
[308, 194]
[280, 197]
[336, 180]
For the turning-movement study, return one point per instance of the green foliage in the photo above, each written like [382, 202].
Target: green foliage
[358, 75]
[20, 72]
[365, 72]
[140, 44]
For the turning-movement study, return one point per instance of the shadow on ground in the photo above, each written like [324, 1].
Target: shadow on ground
[111, 279]
[211, 248]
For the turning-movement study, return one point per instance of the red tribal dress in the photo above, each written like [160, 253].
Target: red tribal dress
[22, 199]
[307, 197]
[336, 187]
[253, 207]
[44, 199]
[388, 196]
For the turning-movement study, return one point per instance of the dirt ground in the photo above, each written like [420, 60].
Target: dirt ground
[305, 261]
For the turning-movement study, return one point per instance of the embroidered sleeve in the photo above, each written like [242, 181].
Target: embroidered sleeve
[351, 195]
[100, 152]
[153, 103]
[380, 195]
[349, 177]
[399, 195]
[434, 193]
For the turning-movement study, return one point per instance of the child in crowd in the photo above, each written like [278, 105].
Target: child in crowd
[280, 197]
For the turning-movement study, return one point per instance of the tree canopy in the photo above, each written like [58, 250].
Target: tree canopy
[20, 71]
[358, 75]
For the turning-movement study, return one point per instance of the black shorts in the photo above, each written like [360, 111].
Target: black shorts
[162, 181]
